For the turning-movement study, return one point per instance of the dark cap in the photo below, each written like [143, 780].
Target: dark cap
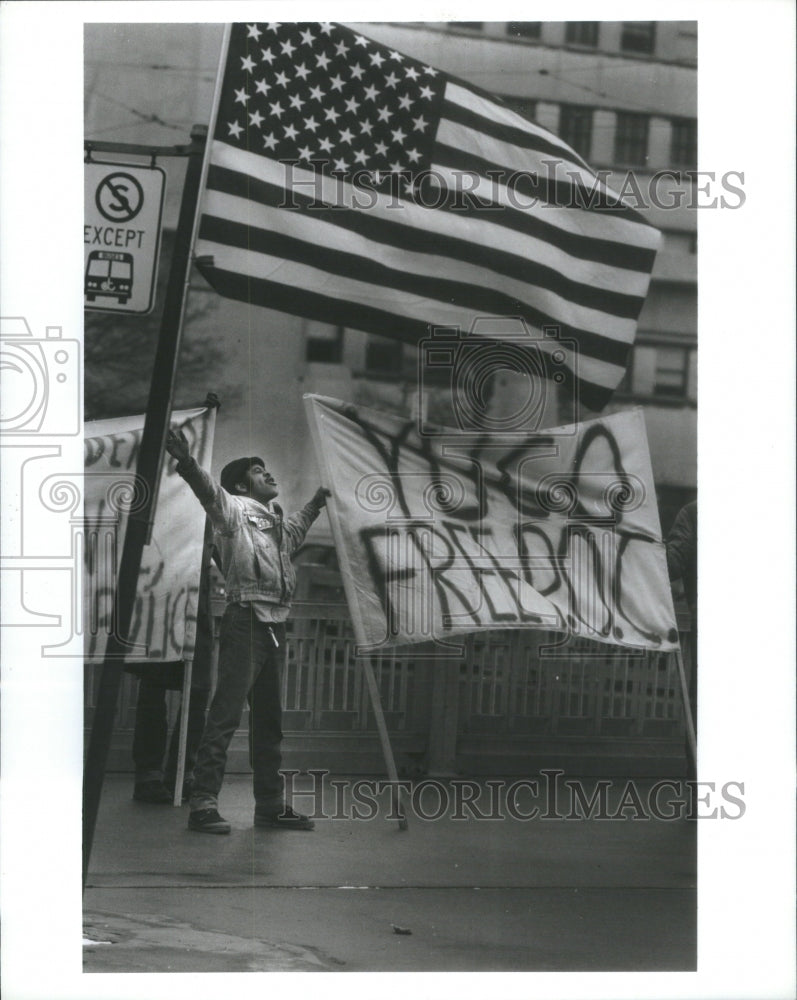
[234, 471]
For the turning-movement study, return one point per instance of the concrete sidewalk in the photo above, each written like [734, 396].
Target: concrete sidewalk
[489, 895]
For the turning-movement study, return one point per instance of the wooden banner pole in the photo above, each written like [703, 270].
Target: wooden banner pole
[351, 598]
[691, 737]
[384, 739]
[185, 708]
[213, 404]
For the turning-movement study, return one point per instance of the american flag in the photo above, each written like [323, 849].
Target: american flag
[355, 185]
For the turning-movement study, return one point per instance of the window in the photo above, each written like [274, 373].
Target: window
[575, 128]
[524, 29]
[672, 368]
[468, 25]
[98, 268]
[686, 42]
[582, 33]
[384, 356]
[324, 343]
[638, 36]
[661, 373]
[631, 138]
[683, 152]
[120, 269]
[522, 105]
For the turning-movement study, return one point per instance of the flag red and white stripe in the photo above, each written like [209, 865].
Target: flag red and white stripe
[355, 185]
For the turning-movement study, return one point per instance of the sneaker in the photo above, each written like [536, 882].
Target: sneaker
[154, 792]
[207, 821]
[283, 819]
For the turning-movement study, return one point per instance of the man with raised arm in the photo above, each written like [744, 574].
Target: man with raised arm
[254, 544]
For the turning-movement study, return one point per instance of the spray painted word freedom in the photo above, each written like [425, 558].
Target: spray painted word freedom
[438, 534]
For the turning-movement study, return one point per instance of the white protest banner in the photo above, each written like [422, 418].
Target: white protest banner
[164, 619]
[440, 533]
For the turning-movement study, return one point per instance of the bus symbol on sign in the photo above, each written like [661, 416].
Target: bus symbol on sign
[110, 274]
[123, 204]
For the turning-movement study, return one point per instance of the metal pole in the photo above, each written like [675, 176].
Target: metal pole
[148, 469]
[384, 739]
[689, 722]
[185, 708]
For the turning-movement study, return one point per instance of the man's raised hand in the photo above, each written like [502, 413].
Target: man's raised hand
[177, 445]
[320, 497]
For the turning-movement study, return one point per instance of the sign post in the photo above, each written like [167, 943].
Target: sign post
[121, 235]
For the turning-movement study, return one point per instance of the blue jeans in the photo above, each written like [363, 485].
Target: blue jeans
[250, 669]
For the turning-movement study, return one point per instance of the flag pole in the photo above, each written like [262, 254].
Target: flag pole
[359, 631]
[214, 114]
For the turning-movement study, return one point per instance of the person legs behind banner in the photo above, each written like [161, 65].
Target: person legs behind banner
[154, 779]
[200, 687]
[149, 740]
[154, 782]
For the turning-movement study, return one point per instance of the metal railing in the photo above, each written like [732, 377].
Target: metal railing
[511, 681]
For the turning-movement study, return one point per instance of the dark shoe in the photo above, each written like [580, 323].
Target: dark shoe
[283, 819]
[154, 792]
[207, 821]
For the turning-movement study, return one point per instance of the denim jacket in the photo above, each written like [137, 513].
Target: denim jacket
[254, 542]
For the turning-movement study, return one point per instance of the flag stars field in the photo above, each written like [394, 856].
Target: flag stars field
[338, 84]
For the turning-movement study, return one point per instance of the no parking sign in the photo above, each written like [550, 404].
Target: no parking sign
[121, 235]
